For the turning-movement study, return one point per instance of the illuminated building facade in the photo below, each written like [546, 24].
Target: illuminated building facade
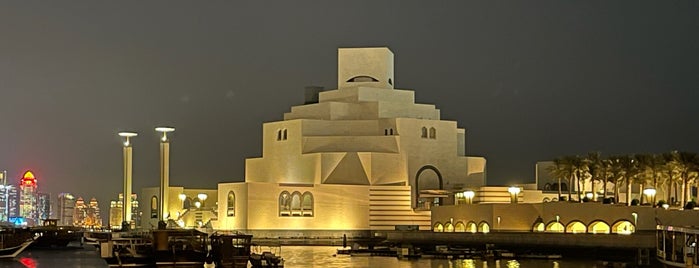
[4, 196]
[115, 212]
[187, 207]
[87, 214]
[28, 199]
[43, 206]
[66, 209]
[13, 202]
[362, 157]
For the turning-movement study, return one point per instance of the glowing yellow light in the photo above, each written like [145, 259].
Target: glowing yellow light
[28, 175]
[164, 130]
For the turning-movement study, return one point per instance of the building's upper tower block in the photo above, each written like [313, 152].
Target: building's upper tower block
[365, 67]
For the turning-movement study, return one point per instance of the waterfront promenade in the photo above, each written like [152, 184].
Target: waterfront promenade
[641, 239]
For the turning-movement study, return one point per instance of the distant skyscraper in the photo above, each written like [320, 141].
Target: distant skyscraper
[115, 212]
[87, 215]
[80, 212]
[66, 209]
[44, 206]
[28, 198]
[4, 196]
[13, 201]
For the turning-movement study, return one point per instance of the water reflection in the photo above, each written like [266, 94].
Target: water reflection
[297, 256]
[302, 256]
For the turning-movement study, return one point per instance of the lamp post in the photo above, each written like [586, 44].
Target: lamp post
[514, 191]
[128, 164]
[650, 195]
[164, 169]
[468, 195]
[202, 197]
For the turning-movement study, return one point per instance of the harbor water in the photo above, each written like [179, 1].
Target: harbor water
[295, 256]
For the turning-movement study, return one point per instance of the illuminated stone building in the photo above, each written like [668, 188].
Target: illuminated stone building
[187, 207]
[28, 199]
[365, 156]
[66, 209]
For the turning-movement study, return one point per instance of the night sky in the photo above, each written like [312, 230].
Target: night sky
[529, 80]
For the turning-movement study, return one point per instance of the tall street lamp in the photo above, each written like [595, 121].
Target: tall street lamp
[202, 197]
[164, 169]
[128, 164]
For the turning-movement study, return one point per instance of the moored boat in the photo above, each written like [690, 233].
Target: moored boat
[677, 246]
[230, 249]
[14, 240]
[51, 235]
[269, 257]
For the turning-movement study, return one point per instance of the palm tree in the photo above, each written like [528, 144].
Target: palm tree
[606, 168]
[559, 171]
[685, 163]
[630, 170]
[670, 173]
[616, 174]
[580, 170]
[594, 165]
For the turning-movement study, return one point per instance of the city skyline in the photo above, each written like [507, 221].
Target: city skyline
[528, 83]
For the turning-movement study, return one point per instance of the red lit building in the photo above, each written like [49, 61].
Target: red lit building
[28, 198]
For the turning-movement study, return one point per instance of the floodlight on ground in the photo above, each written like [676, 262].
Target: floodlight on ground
[514, 191]
[469, 196]
[182, 197]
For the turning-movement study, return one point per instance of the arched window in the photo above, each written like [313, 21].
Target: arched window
[576, 227]
[154, 207]
[555, 227]
[285, 204]
[231, 204]
[284, 134]
[187, 203]
[279, 134]
[484, 227]
[438, 227]
[471, 227]
[296, 204]
[433, 133]
[390, 130]
[538, 227]
[459, 227]
[448, 227]
[385, 132]
[307, 204]
[424, 133]
[598, 227]
[623, 227]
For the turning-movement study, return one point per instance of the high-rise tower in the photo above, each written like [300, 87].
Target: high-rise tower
[28, 198]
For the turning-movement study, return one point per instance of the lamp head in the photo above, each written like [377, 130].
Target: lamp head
[164, 130]
[127, 137]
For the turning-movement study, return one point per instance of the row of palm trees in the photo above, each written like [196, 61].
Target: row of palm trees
[673, 172]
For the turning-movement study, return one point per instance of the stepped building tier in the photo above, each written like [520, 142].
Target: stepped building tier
[365, 133]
